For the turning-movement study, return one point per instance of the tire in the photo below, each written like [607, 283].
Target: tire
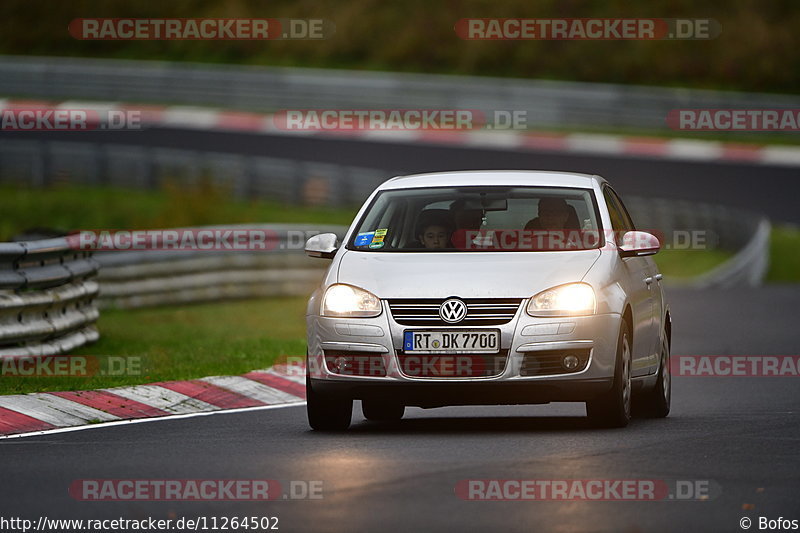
[613, 409]
[656, 403]
[382, 411]
[325, 412]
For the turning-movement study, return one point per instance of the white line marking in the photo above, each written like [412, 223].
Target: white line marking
[690, 149]
[602, 144]
[296, 375]
[142, 420]
[54, 410]
[780, 155]
[251, 389]
[190, 117]
[494, 139]
[164, 399]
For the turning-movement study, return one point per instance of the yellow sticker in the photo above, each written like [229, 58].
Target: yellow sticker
[380, 232]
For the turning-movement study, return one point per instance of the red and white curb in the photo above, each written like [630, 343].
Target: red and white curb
[42, 412]
[580, 143]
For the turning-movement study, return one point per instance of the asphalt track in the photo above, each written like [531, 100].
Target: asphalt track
[772, 190]
[740, 434]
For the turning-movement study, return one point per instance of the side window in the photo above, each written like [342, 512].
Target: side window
[620, 220]
[626, 217]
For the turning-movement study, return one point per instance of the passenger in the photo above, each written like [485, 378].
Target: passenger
[433, 230]
[554, 215]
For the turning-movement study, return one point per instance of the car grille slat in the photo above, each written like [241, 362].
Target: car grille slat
[480, 311]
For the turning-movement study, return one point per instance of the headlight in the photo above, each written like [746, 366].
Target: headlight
[348, 301]
[564, 300]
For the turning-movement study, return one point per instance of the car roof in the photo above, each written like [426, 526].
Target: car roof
[543, 178]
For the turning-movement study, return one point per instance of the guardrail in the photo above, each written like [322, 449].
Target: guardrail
[740, 231]
[47, 299]
[549, 103]
[292, 181]
[130, 279]
[748, 267]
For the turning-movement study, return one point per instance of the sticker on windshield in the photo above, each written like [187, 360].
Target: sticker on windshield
[377, 244]
[363, 239]
[381, 232]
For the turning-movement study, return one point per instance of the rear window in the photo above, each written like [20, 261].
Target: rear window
[458, 219]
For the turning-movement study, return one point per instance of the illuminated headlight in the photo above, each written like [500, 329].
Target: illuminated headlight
[348, 301]
[565, 300]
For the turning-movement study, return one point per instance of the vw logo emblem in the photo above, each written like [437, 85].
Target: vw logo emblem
[453, 310]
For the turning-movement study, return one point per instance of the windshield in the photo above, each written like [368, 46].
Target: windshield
[456, 219]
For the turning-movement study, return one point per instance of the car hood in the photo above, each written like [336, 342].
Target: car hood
[464, 274]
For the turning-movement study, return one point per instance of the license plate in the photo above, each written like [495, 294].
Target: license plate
[452, 341]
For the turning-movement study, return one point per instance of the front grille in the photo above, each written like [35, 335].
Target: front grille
[480, 311]
[548, 363]
[452, 365]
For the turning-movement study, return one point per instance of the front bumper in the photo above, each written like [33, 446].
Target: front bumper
[442, 393]
[524, 335]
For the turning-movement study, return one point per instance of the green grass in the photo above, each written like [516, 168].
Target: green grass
[784, 255]
[70, 207]
[177, 343]
[684, 264]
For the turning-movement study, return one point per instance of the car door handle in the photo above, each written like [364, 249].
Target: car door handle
[648, 280]
[659, 277]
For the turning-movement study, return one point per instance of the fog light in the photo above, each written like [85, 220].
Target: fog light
[570, 362]
[341, 364]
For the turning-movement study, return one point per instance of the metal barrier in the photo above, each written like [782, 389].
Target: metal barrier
[736, 230]
[549, 103]
[130, 279]
[47, 299]
[292, 181]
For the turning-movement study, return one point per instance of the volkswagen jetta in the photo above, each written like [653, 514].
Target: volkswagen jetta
[488, 287]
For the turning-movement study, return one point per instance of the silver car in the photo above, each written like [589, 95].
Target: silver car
[488, 287]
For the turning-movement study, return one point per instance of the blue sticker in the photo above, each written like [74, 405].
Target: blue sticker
[408, 340]
[363, 239]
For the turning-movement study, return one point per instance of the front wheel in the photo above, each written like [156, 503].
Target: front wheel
[613, 409]
[656, 403]
[326, 412]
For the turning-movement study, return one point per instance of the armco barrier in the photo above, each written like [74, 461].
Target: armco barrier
[735, 230]
[549, 103]
[131, 279]
[47, 299]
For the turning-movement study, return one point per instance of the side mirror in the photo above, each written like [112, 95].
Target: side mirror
[638, 244]
[323, 245]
